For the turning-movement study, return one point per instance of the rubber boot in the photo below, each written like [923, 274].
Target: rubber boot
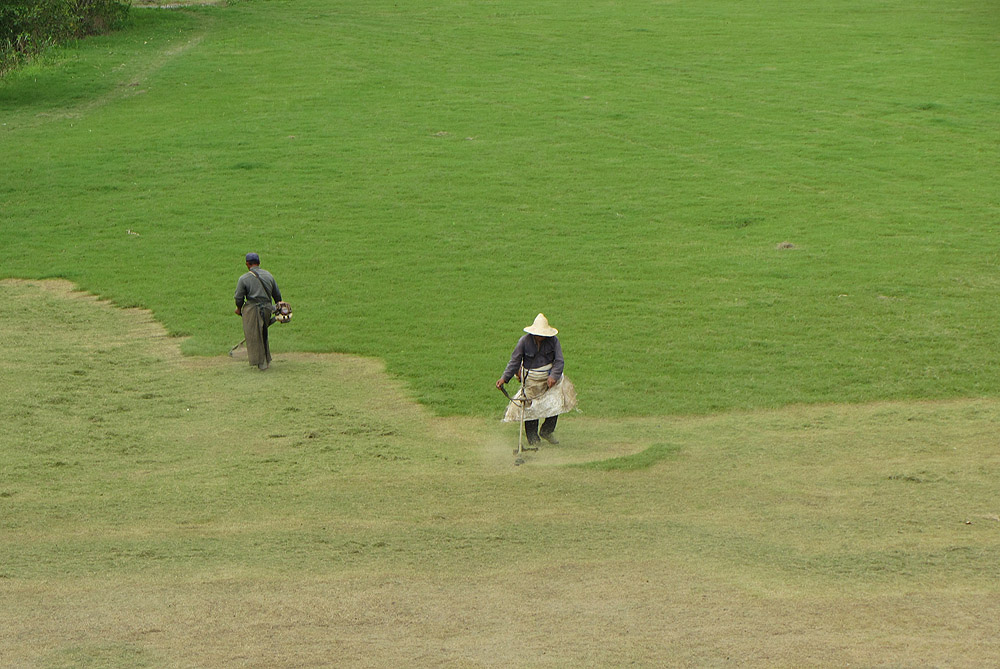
[531, 432]
[548, 430]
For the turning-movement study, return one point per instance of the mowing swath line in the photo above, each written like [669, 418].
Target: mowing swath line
[641, 460]
[123, 89]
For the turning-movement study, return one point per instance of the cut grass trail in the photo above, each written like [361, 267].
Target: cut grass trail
[166, 511]
[424, 179]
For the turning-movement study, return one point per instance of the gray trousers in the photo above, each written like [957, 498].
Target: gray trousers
[256, 319]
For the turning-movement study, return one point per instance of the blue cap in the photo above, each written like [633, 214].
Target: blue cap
[253, 258]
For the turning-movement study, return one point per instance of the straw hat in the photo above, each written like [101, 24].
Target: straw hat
[541, 327]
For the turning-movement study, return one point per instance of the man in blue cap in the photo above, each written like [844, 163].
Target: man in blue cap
[256, 294]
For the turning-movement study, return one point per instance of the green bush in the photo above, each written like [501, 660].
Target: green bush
[29, 26]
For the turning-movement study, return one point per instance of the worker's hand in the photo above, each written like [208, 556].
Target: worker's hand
[551, 381]
[239, 312]
[500, 382]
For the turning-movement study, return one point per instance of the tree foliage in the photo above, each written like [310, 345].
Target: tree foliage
[28, 26]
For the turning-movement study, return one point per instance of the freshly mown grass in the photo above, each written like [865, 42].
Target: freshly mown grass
[167, 511]
[424, 179]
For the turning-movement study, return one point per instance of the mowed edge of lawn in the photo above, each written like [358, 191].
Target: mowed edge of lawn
[166, 511]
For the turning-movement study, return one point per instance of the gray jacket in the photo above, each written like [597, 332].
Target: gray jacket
[250, 289]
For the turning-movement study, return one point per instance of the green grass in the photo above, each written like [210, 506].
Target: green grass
[424, 179]
[643, 460]
[786, 457]
[167, 511]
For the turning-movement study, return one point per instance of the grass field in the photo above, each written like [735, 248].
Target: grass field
[427, 178]
[149, 520]
[786, 456]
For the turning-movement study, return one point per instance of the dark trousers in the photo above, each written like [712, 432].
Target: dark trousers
[531, 428]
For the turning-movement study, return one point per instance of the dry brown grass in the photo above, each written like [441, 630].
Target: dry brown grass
[145, 525]
[570, 614]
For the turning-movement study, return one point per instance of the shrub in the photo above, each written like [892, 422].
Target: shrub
[29, 26]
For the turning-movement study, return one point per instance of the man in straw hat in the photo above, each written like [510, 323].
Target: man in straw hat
[255, 291]
[537, 362]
